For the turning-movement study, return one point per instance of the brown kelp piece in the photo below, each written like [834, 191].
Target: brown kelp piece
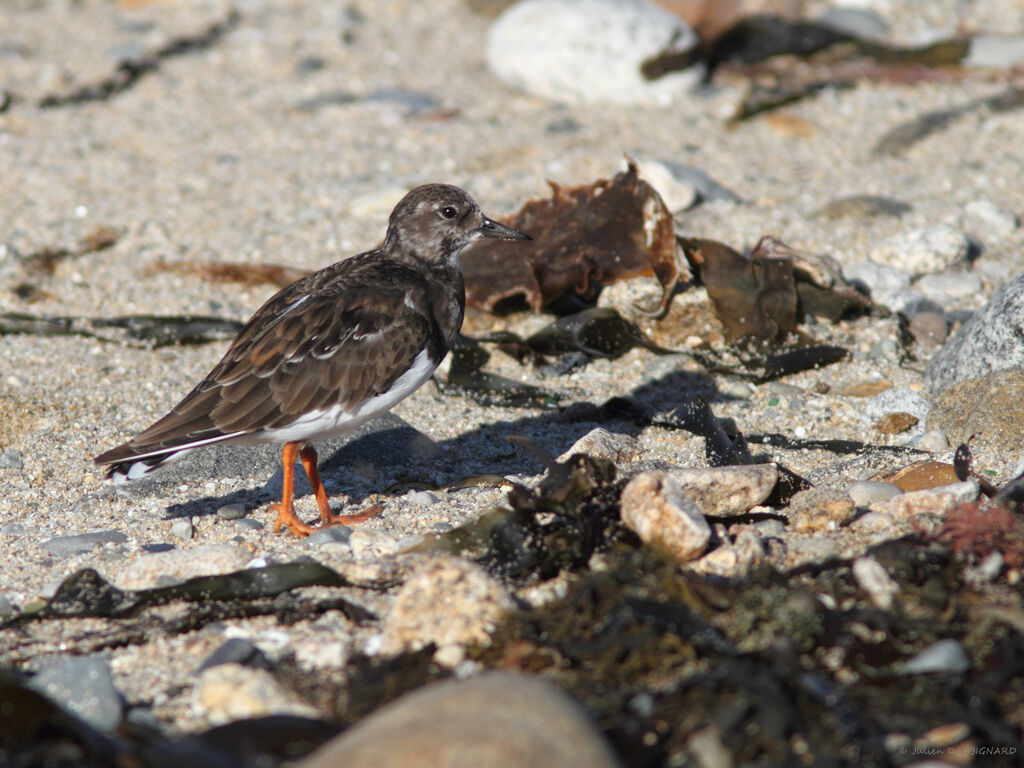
[762, 295]
[583, 237]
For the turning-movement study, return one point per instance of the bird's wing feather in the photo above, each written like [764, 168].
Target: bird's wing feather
[337, 337]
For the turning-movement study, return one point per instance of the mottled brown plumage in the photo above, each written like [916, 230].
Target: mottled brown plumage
[333, 349]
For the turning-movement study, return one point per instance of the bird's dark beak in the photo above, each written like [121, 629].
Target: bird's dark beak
[491, 228]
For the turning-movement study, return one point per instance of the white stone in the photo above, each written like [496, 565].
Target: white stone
[924, 250]
[590, 51]
[988, 221]
[656, 509]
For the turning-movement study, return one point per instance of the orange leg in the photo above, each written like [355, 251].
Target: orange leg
[286, 509]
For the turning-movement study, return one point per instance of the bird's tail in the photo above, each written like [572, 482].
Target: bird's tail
[123, 464]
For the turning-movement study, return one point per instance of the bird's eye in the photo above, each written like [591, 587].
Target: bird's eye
[449, 212]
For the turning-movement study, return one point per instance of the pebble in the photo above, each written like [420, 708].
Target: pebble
[656, 508]
[989, 222]
[602, 444]
[922, 475]
[422, 498]
[896, 400]
[997, 51]
[820, 509]
[933, 441]
[724, 491]
[228, 692]
[929, 329]
[236, 650]
[249, 524]
[916, 505]
[986, 571]
[13, 529]
[182, 529]
[949, 287]
[815, 549]
[677, 195]
[232, 511]
[332, 534]
[590, 51]
[448, 602]
[178, 565]
[6, 606]
[868, 492]
[67, 546]
[11, 459]
[990, 407]
[863, 207]
[989, 341]
[942, 656]
[732, 560]
[494, 720]
[923, 250]
[895, 423]
[371, 544]
[872, 577]
[883, 281]
[84, 686]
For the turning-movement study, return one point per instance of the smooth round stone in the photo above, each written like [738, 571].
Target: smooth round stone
[13, 529]
[331, 534]
[233, 511]
[867, 492]
[948, 286]
[933, 441]
[66, 546]
[925, 250]
[882, 280]
[943, 656]
[182, 529]
[248, 524]
[656, 508]
[928, 328]
[11, 459]
[84, 686]
[675, 192]
[995, 51]
[495, 720]
[590, 51]
[896, 400]
[6, 606]
[988, 221]
[862, 22]
[422, 498]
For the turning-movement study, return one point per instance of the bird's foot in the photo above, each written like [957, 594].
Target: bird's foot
[286, 517]
[358, 517]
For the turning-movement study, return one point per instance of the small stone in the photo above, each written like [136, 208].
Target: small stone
[655, 507]
[494, 720]
[1002, 51]
[725, 491]
[249, 524]
[944, 656]
[820, 509]
[868, 388]
[988, 221]
[949, 287]
[179, 565]
[13, 529]
[84, 686]
[894, 423]
[863, 207]
[236, 650]
[448, 601]
[233, 511]
[897, 400]
[872, 577]
[602, 444]
[867, 492]
[67, 546]
[422, 498]
[921, 475]
[920, 505]
[367, 543]
[331, 534]
[883, 281]
[933, 441]
[229, 692]
[11, 459]
[182, 529]
[986, 571]
[676, 193]
[929, 329]
[591, 51]
[735, 559]
[6, 606]
[923, 251]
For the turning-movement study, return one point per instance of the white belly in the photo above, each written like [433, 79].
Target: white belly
[330, 422]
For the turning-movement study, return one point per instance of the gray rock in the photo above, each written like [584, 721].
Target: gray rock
[862, 22]
[991, 340]
[986, 571]
[867, 492]
[248, 524]
[656, 508]
[332, 534]
[422, 498]
[988, 221]
[13, 529]
[590, 51]
[929, 329]
[233, 511]
[11, 459]
[942, 656]
[6, 606]
[236, 650]
[948, 287]
[84, 686]
[66, 546]
[182, 529]
[872, 577]
[496, 720]
[724, 491]
[925, 250]
[995, 51]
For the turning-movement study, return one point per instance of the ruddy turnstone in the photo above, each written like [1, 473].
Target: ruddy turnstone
[330, 351]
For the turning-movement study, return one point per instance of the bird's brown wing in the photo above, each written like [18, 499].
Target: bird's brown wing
[337, 337]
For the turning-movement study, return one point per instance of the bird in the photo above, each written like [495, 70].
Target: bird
[330, 351]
